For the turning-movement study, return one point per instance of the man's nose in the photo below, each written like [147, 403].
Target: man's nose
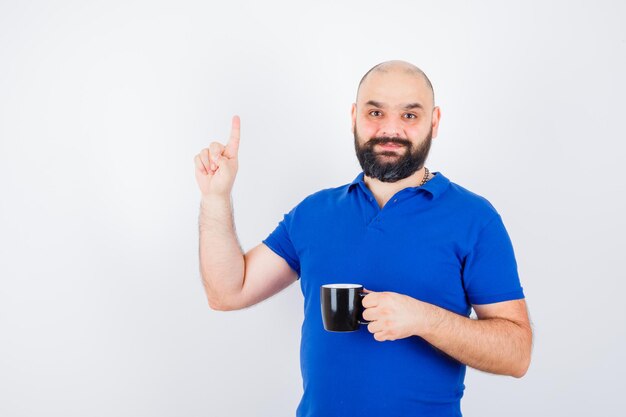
[391, 128]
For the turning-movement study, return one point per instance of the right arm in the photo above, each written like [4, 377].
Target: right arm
[232, 280]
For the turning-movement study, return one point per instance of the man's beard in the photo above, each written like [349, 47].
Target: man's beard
[394, 168]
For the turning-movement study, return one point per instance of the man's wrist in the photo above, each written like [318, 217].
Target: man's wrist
[215, 209]
[433, 319]
[210, 201]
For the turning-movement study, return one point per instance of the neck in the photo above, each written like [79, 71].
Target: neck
[384, 190]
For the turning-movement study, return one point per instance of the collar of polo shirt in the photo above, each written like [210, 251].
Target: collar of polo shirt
[435, 186]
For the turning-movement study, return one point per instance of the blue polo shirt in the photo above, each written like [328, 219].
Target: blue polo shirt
[439, 243]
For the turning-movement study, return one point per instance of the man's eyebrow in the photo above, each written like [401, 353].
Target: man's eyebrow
[375, 104]
[413, 106]
[406, 107]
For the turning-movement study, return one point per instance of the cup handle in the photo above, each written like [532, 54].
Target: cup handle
[361, 319]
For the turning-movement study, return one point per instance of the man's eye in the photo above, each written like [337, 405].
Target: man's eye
[374, 111]
[411, 116]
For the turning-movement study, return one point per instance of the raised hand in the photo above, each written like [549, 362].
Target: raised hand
[216, 166]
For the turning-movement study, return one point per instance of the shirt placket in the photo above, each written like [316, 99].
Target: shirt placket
[379, 213]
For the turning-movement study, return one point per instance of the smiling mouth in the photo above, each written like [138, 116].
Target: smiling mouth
[390, 145]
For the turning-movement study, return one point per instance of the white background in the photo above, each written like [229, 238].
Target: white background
[103, 106]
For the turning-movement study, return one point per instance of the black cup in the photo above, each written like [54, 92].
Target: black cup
[342, 310]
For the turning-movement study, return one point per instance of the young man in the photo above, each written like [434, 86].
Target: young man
[427, 249]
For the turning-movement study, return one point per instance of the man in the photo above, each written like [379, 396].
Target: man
[428, 250]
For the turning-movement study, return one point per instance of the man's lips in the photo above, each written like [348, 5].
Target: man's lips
[390, 145]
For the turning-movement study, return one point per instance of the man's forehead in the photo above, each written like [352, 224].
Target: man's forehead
[399, 90]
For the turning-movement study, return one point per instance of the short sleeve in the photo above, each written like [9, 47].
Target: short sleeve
[490, 269]
[280, 241]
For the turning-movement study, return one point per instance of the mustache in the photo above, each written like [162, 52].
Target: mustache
[382, 139]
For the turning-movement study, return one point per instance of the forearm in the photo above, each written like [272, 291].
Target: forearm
[222, 262]
[492, 345]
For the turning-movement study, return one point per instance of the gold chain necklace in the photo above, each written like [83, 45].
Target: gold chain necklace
[426, 172]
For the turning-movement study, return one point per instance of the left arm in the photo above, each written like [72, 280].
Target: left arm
[499, 342]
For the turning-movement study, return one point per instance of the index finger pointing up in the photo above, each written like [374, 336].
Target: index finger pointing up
[232, 147]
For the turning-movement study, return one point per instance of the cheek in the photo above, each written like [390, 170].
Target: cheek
[367, 129]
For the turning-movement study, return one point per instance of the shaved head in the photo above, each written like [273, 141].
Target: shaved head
[397, 65]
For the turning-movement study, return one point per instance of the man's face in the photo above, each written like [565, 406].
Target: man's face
[393, 125]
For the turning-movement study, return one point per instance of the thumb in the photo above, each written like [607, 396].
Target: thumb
[232, 147]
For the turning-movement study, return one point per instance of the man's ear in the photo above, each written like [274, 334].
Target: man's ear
[353, 114]
[436, 118]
